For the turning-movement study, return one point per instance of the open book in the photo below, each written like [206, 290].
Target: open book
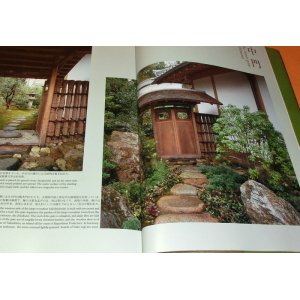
[147, 149]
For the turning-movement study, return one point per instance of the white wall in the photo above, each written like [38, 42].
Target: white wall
[205, 85]
[232, 88]
[268, 102]
[82, 70]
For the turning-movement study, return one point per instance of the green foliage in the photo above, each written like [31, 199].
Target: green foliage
[108, 167]
[133, 191]
[160, 174]
[222, 195]
[252, 134]
[132, 223]
[12, 89]
[222, 178]
[21, 103]
[120, 105]
[148, 72]
[227, 206]
[30, 122]
[146, 124]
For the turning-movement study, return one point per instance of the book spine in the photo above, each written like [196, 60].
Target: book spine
[286, 89]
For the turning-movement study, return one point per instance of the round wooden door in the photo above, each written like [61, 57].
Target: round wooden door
[175, 132]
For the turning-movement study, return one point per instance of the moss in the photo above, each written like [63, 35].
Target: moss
[132, 223]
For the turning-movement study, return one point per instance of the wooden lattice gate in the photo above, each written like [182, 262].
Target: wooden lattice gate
[204, 123]
[68, 111]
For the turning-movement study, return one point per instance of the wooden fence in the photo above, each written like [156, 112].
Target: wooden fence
[204, 123]
[68, 111]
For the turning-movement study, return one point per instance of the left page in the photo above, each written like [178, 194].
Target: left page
[51, 138]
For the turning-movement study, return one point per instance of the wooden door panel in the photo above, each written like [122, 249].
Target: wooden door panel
[185, 131]
[175, 133]
[166, 138]
[186, 137]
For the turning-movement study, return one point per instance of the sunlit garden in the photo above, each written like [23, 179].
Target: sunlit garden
[19, 98]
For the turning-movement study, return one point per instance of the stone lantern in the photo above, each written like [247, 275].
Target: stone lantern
[31, 98]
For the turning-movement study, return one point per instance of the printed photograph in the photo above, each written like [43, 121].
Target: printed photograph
[121, 198]
[212, 143]
[191, 142]
[43, 104]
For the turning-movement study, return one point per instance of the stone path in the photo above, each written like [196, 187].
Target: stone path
[12, 144]
[183, 204]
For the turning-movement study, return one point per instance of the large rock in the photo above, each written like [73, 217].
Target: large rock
[9, 163]
[265, 207]
[126, 155]
[114, 210]
[74, 160]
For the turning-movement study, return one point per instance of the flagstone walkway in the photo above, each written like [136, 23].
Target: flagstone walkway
[183, 203]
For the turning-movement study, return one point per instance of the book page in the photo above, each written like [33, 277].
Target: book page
[221, 149]
[51, 151]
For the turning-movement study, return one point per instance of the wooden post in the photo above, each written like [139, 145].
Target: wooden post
[47, 107]
[256, 93]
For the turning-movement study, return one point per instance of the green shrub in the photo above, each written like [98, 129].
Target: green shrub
[222, 195]
[108, 167]
[222, 178]
[253, 135]
[21, 103]
[226, 206]
[160, 175]
[132, 223]
[133, 190]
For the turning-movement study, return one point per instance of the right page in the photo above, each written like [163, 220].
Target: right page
[220, 153]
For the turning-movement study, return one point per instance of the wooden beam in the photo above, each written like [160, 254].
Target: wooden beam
[215, 91]
[47, 108]
[256, 92]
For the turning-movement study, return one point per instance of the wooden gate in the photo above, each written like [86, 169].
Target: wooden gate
[204, 123]
[175, 132]
[68, 111]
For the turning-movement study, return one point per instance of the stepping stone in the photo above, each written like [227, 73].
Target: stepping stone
[9, 163]
[8, 128]
[13, 149]
[13, 124]
[193, 175]
[192, 169]
[196, 182]
[183, 189]
[178, 218]
[10, 134]
[180, 204]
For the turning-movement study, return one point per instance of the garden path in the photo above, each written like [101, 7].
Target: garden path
[13, 141]
[183, 203]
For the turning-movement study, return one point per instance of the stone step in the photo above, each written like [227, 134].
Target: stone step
[196, 182]
[178, 218]
[180, 204]
[13, 149]
[187, 161]
[9, 163]
[8, 128]
[10, 134]
[14, 123]
[192, 175]
[183, 189]
[193, 169]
